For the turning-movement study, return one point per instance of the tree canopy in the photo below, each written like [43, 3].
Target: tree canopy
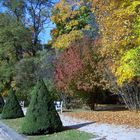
[95, 46]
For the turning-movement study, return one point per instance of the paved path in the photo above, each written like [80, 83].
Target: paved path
[7, 133]
[104, 131]
[2, 137]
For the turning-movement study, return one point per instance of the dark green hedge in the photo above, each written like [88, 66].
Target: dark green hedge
[41, 118]
[12, 109]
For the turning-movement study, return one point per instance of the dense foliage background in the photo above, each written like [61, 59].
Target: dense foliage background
[94, 52]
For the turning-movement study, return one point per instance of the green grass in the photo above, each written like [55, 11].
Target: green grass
[64, 135]
[14, 123]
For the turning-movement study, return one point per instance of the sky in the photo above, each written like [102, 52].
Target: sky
[45, 34]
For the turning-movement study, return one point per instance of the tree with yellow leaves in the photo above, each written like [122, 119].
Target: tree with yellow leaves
[119, 24]
[72, 20]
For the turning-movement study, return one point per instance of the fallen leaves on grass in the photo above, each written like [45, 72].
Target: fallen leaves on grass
[110, 117]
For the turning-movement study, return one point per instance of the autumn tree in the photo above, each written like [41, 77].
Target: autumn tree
[77, 71]
[75, 22]
[118, 22]
[72, 19]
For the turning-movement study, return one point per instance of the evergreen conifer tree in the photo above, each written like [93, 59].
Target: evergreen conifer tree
[42, 117]
[12, 109]
[1, 103]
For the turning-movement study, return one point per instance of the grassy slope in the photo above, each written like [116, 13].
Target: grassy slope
[65, 135]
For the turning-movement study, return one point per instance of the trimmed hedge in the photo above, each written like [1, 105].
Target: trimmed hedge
[42, 117]
[12, 109]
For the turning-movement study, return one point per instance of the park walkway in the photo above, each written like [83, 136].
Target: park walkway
[104, 131]
[7, 133]
[2, 137]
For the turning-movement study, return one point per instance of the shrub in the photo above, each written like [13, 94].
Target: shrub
[1, 103]
[12, 109]
[41, 118]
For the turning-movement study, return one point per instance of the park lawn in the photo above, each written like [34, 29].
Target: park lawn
[67, 134]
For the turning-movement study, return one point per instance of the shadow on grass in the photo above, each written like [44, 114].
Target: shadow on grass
[65, 128]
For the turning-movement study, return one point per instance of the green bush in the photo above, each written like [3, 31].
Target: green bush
[1, 103]
[12, 109]
[41, 118]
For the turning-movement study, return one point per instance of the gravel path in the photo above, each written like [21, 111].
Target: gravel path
[104, 131]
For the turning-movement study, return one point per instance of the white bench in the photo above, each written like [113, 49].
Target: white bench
[21, 104]
[58, 105]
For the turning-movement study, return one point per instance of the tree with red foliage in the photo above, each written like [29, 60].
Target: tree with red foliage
[67, 67]
[77, 70]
